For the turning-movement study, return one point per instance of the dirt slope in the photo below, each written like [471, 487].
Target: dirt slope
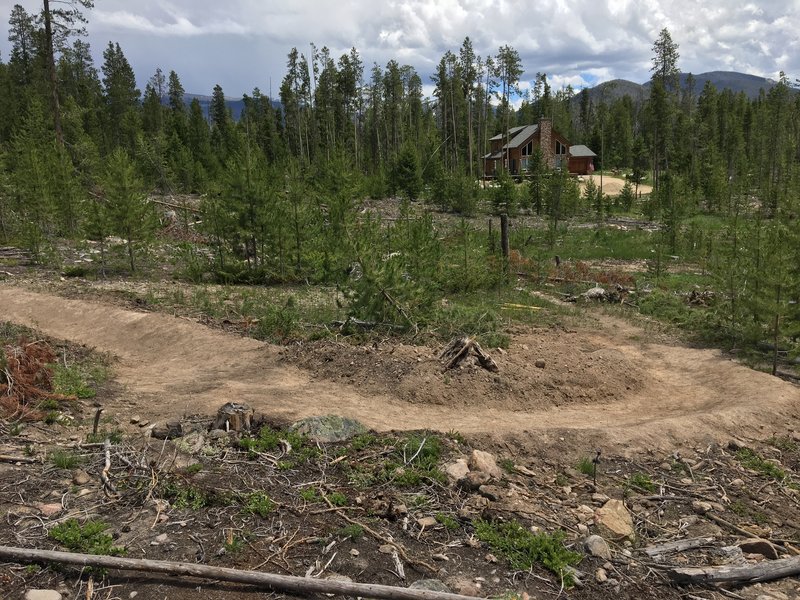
[600, 385]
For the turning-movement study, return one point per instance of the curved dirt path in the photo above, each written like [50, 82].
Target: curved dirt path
[171, 366]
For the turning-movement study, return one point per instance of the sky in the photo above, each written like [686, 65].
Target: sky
[243, 44]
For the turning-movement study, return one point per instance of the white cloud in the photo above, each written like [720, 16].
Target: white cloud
[573, 41]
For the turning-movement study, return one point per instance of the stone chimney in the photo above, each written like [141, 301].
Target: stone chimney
[546, 142]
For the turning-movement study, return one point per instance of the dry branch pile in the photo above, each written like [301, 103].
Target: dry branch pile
[26, 379]
[459, 348]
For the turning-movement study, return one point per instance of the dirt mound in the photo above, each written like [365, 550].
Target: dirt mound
[574, 371]
[612, 186]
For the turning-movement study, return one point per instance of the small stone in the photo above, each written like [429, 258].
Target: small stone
[474, 480]
[386, 549]
[456, 470]
[737, 483]
[762, 547]
[49, 509]
[490, 492]
[583, 529]
[167, 430]
[490, 558]
[144, 423]
[597, 546]
[161, 539]
[665, 466]
[133, 594]
[427, 522]
[440, 557]
[135, 419]
[354, 552]
[540, 364]
[700, 507]
[399, 510]
[42, 595]
[80, 477]
[600, 576]
[485, 463]
[600, 498]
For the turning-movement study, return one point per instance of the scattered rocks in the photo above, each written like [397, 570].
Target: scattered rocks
[433, 585]
[614, 520]
[484, 462]
[42, 595]
[329, 428]
[597, 546]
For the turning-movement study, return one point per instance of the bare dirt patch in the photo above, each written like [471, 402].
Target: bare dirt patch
[612, 186]
[602, 382]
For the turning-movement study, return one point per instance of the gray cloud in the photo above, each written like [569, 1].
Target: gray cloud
[243, 43]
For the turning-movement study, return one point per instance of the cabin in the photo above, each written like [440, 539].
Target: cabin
[513, 150]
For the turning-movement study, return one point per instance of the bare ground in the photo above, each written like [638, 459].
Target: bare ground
[603, 384]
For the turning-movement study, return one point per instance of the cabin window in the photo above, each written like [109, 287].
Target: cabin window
[560, 148]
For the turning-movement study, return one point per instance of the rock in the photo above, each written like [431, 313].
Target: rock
[440, 557]
[83, 492]
[600, 576]
[700, 507]
[614, 521]
[737, 483]
[491, 492]
[762, 547]
[474, 480]
[600, 498]
[329, 428]
[218, 434]
[583, 529]
[456, 470]
[42, 595]
[475, 505]
[427, 522]
[665, 466]
[386, 549]
[80, 477]
[464, 586]
[144, 423]
[49, 509]
[192, 442]
[539, 364]
[433, 585]
[168, 430]
[597, 546]
[161, 539]
[490, 558]
[399, 510]
[354, 552]
[484, 462]
[133, 595]
[595, 293]
[135, 419]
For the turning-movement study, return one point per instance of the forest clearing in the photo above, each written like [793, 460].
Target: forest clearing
[500, 341]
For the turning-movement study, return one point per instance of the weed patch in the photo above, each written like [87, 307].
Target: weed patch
[750, 460]
[89, 538]
[523, 549]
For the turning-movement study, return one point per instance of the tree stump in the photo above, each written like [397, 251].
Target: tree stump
[234, 416]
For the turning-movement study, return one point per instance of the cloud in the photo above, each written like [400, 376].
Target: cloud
[574, 41]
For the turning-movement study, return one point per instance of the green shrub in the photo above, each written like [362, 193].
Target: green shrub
[259, 503]
[64, 460]
[523, 549]
[641, 481]
[88, 538]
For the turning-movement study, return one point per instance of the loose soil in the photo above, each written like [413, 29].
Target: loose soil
[612, 186]
[605, 384]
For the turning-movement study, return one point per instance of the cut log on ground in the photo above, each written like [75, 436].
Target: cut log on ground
[302, 586]
[459, 348]
[753, 573]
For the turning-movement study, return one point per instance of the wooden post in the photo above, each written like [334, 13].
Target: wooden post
[301, 586]
[504, 241]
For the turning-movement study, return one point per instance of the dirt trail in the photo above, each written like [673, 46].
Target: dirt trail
[171, 366]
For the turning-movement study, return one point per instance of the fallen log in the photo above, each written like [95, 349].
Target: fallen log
[277, 583]
[659, 551]
[752, 573]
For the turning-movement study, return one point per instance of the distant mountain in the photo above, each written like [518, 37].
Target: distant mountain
[751, 85]
[235, 105]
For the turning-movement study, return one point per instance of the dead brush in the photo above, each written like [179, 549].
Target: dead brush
[26, 380]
